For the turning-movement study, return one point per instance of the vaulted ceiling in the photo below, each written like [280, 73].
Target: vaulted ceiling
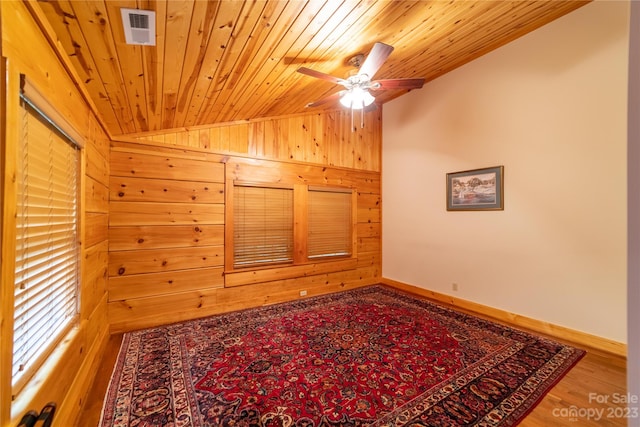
[224, 61]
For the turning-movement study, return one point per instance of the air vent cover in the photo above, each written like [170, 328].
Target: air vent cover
[139, 26]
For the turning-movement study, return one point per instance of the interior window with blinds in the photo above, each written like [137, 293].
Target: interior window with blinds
[330, 223]
[47, 264]
[263, 226]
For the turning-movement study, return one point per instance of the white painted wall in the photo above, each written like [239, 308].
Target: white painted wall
[552, 108]
[633, 163]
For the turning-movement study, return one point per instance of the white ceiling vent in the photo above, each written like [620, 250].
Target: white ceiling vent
[139, 26]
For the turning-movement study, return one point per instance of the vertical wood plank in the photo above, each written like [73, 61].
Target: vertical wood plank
[182, 138]
[225, 134]
[255, 147]
[9, 102]
[152, 62]
[229, 221]
[203, 139]
[178, 23]
[300, 222]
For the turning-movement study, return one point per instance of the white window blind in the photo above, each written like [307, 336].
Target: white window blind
[263, 226]
[47, 265]
[330, 223]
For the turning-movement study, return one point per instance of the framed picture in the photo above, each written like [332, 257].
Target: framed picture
[476, 190]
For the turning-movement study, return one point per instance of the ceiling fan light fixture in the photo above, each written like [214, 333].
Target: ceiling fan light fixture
[357, 98]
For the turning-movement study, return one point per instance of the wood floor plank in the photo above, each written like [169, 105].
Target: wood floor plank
[90, 415]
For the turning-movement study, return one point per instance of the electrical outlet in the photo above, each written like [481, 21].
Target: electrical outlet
[303, 293]
[454, 286]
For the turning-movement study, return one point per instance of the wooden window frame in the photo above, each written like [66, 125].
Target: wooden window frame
[263, 264]
[352, 225]
[302, 265]
[31, 99]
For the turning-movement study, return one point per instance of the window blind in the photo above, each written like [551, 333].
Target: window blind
[46, 276]
[330, 223]
[263, 226]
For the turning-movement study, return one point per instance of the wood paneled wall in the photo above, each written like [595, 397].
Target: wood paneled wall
[323, 138]
[166, 234]
[70, 371]
[152, 214]
[167, 224]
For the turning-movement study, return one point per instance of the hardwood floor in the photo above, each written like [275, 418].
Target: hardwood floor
[591, 394]
[90, 416]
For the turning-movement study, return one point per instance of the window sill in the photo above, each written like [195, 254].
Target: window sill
[250, 277]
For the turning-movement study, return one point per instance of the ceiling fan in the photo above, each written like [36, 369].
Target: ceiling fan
[356, 95]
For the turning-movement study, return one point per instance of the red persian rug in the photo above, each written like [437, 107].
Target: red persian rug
[372, 356]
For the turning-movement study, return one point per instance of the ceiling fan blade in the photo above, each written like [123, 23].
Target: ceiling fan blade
[385, 84]
[375, 59]
[330, 98]
[321, 75]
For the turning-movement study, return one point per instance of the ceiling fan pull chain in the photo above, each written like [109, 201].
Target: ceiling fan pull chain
[352, 126]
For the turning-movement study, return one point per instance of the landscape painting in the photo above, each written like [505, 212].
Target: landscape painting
[477, 189]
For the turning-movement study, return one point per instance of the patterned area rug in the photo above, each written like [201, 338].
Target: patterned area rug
[372, 356]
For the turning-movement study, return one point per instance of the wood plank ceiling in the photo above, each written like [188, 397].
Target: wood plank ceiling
[224, 61]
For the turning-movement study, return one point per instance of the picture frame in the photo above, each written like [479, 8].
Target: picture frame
[476, 189]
